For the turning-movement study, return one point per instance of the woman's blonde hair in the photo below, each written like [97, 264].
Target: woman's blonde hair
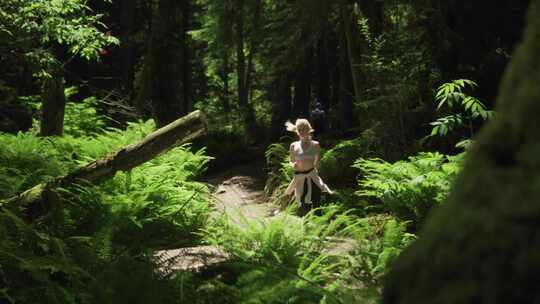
[299, 124]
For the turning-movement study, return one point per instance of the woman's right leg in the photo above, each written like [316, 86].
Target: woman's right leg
[315, 198]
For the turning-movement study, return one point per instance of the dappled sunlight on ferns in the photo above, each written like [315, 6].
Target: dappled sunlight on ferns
[299, 260]
[103, 233]
[409, 189]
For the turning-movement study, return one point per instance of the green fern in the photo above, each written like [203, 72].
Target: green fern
[287, 259]
[32, 260]
[408, 189]
[395, 239]
[276, 159]
[26, 160]
[107, 230]
[336, 162]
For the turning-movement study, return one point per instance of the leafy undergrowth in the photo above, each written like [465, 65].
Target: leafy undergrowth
[286, 259]
[98, 247]
[408, 189]
[389, 201]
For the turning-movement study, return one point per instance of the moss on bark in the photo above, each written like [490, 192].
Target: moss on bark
[483, 245]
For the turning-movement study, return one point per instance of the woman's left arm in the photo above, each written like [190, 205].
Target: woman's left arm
[317, 160]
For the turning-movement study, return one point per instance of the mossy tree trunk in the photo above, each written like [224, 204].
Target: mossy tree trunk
[53, 104]
[483, 244]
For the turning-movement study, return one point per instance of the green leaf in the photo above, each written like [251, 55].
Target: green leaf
[465, 144]
[443, 100]
[443, 129]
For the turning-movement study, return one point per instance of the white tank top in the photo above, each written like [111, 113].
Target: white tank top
[302, 154]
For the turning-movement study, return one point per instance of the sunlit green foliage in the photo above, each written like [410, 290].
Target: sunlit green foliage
[44, 265]
[98, 248]
[36, 266]
[336, 162]
[408, 189]
[81, 118]
[103, 233]
[383, 239]
[27, 160]
[281, 260]
[333, 258]
[66, 22]
[465, 107]
[279, 172]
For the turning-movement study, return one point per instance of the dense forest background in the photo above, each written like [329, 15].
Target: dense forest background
[396, 91]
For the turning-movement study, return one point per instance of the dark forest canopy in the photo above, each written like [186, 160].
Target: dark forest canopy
[258, 63]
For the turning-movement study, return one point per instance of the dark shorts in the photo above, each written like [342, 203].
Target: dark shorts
[315, 195]
[315, 199]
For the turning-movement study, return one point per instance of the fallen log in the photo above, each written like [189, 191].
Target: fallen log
[40, 199]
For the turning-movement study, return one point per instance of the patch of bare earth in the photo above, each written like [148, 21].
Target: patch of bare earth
[238, 193]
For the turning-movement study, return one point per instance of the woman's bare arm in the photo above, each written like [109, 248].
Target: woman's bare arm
[292, 158]
[317, 160]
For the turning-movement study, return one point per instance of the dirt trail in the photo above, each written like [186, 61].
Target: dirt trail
[238, 192]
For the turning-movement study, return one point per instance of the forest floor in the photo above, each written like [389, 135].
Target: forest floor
[239, 195]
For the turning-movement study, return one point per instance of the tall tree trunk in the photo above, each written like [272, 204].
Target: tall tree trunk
[224, 96]
[245, 108]
[438, 59]
[127, 47]
[482, 245]
[334, 64]
[322, 85]
[241, 57]
[345, 118]
[164, 64]
[432, 23]
[281, 104]
[186, 79]
[323, 70]
[253, 48]
[53, 104]
[302, 85]
[352, 49]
